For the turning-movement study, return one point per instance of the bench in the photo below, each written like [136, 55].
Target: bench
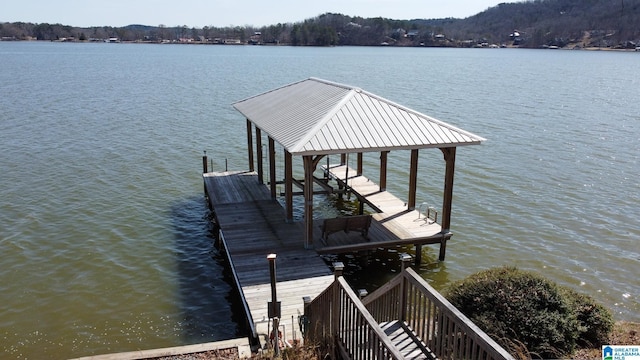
[348, 223]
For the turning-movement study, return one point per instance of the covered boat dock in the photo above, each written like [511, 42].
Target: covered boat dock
[313, 119]
[316, 118]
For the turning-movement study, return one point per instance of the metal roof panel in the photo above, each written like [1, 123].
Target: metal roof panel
[316, 116]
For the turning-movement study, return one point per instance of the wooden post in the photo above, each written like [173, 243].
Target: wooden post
[205, 163]
[308, 200]
[402, 316]
[259, 155]
[383, 170]
[343, 161]
[405, 258]
[450, 159]
[204, 171]
[272, 167]
[359, 171]
[338, 268]
[274, 306]
[288, 185]
[413, 180]
[304, 321]
[250, 145]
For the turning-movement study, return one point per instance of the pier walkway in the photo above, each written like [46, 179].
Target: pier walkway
[252, 226]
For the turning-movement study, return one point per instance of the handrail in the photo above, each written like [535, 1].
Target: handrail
[446, 332]
[337, 314]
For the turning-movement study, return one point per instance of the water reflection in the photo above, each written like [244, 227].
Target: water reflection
[208, 301]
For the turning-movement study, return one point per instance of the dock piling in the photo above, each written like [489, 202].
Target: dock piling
[205, 163]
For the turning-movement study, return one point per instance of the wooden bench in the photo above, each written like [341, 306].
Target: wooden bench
[348, 223]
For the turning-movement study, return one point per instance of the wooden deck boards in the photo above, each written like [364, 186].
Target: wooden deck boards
[408, 345]
[392, 225]
[254, 226]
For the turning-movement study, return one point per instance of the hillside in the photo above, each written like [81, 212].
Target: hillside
[591, 23]
[533, 24]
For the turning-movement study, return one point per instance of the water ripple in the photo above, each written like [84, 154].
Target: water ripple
[106, 246]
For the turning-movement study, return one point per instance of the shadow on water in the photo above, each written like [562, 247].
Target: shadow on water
[210, 305]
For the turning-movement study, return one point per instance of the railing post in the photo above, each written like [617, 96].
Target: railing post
[304, 320]
[274, 305]
[362, 293]
[406, 259]
[338, 268]
[336, 307]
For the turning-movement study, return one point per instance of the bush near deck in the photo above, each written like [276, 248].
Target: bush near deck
[530, 315]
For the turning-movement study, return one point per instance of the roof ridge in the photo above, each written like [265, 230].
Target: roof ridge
[336, 84]
[269, 91]
[320, 124]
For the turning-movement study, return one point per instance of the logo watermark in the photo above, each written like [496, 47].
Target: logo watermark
[621, 352]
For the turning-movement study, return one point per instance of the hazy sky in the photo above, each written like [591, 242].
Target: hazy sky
[219, 13]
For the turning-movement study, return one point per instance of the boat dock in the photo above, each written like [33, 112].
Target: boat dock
[313, 119]
[252, 226]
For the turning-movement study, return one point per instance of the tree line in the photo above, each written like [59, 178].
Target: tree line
[533, 23]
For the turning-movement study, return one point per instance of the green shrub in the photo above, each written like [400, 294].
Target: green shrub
[519, 307]
[595, 322]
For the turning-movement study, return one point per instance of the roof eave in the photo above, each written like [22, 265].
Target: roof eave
[378, 149]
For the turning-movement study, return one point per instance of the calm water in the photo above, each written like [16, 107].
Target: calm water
[106, 244]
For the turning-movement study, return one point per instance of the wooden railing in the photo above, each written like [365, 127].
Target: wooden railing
[350, 328]
[445, 331]
[338, 319]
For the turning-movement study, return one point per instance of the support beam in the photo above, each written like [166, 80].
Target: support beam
[447, 199]
[307, 161]
[288, 185]
[413, 180]
[359, 170]
[272, 168]
[310, 163]
[383, 170]
[344, 160]
[250, 145]
[259, 155]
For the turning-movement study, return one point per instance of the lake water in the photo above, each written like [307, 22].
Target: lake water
[105, 237]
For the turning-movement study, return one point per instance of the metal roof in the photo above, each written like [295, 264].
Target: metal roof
[316, 116]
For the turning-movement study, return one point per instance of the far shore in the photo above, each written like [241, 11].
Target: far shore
[235, 43]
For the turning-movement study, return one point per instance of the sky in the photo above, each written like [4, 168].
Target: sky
[221, 13]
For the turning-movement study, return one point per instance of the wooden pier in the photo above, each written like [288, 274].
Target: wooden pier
[252, 226]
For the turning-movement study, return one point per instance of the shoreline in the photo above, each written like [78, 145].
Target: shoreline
[573, 47]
